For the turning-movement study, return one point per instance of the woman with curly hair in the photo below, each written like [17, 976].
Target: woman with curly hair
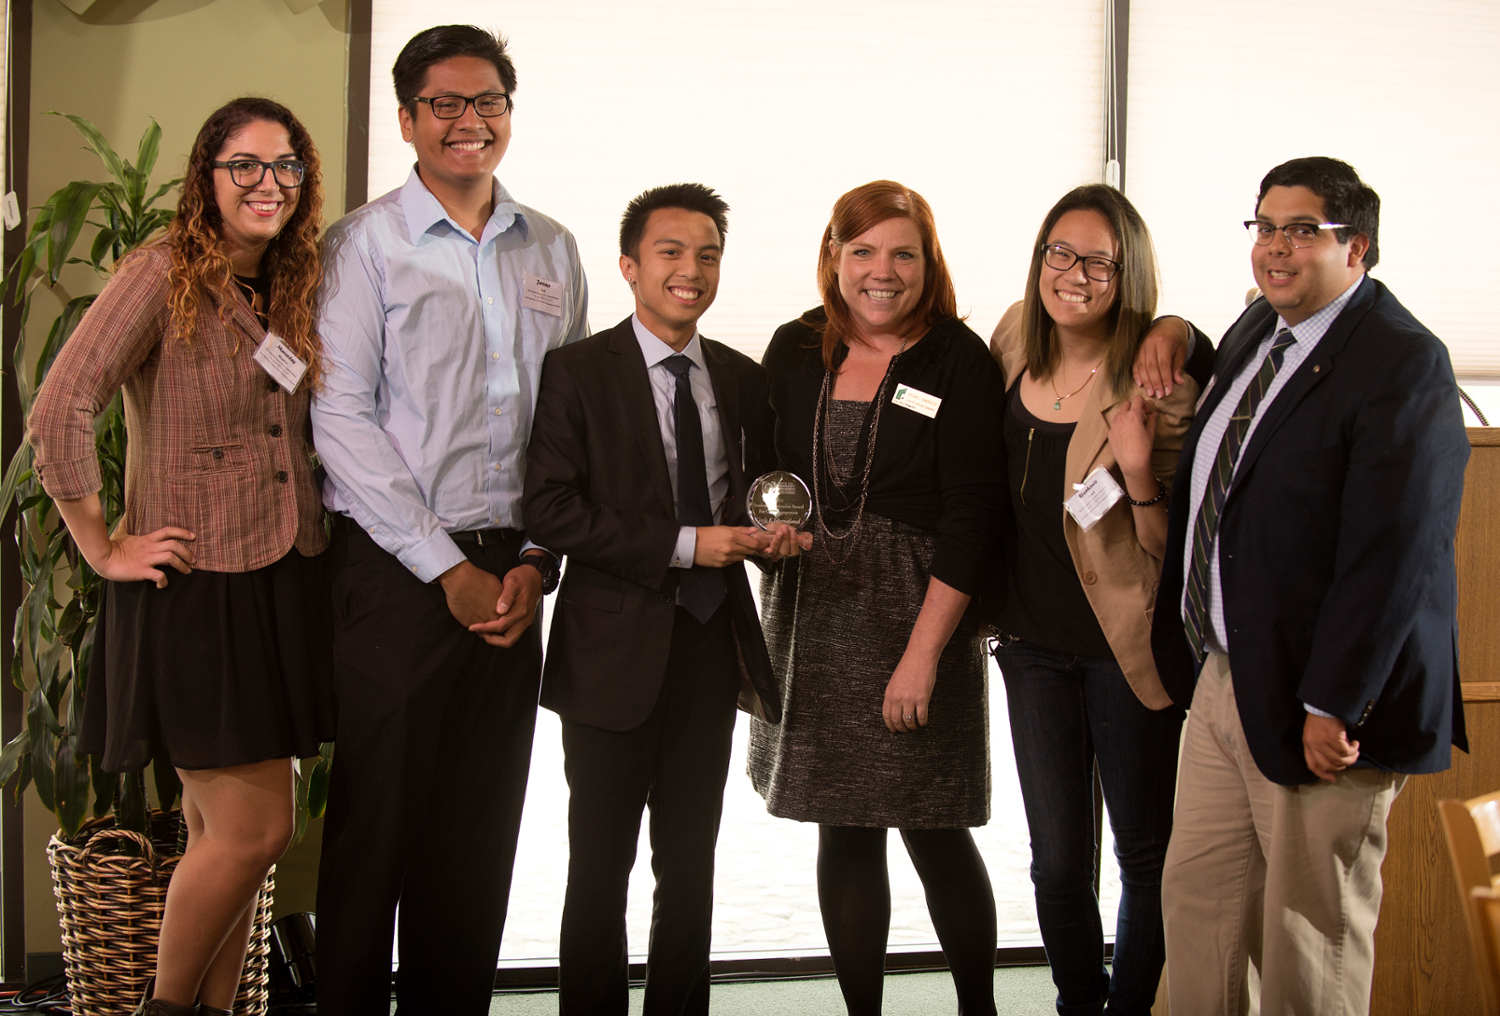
[213, 645]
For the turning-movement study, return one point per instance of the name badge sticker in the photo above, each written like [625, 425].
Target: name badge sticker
[917, 401]
[277, 359]
[542, 294]
[1092, 498]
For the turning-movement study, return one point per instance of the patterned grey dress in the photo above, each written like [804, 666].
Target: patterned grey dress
[836, 631]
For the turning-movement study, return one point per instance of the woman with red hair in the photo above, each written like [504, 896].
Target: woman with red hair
[887, 405]
[213, 645]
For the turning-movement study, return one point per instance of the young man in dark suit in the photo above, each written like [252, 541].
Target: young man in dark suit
[1309, 576]
[644, 441]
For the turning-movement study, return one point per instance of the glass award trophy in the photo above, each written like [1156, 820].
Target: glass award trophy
[778, 497]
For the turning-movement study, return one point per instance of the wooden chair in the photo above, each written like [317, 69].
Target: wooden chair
[1473, 831]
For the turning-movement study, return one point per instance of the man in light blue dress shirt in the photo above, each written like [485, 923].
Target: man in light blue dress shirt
[440, 301]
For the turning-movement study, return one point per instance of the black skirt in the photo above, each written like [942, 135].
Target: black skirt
[218, 669]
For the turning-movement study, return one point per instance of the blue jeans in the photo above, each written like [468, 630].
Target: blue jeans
[1065, 712]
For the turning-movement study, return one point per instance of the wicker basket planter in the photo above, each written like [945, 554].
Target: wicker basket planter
[110, 905]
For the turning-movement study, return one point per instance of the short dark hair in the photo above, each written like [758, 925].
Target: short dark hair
[1346, 198]
[1135, 292]
[445, 42]
[692, 197]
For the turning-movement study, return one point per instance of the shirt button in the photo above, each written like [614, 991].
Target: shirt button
[275, 430]
[489, 299]
[496, 467]
[272, 386]
[1090, 578]
[281, 476]
[498, 411]
[494, 356]
[218, 453]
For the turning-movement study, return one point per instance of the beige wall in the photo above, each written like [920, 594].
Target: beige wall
[122, 63]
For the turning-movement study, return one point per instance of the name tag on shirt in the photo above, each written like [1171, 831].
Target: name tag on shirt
[908, 397]
[1092, 498]
[542, 294]
[277, 359]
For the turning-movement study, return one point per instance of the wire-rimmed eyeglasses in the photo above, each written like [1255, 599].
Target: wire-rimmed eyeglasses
[1298, 234]
[250, 172]
[451, 107]
[1095, 267]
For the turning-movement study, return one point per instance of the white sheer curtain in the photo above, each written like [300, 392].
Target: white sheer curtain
[1404, 90]
[992, 110]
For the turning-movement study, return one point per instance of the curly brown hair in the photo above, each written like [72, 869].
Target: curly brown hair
[200, 251]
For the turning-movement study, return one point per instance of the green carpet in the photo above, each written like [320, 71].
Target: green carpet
[1019, 991]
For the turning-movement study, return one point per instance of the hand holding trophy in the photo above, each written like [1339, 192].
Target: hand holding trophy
[780, 503]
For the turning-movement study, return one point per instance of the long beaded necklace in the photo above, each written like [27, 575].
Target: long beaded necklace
[821, 421]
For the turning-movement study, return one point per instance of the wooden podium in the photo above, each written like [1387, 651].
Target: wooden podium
[1423, 966]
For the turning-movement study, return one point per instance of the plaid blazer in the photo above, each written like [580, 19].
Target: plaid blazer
[216, 446]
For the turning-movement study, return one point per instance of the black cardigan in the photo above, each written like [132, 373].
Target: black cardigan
[946, 474]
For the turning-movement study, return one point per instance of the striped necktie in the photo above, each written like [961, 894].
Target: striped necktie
[1206, 528]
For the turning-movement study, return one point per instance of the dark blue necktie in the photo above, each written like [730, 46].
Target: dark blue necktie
[700, 590]
[1206, 528]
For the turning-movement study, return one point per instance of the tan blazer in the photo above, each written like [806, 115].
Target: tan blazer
[1119, 577]
[214, 447]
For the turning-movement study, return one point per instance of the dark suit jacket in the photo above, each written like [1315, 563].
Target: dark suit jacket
[598, 491]
[1336, 545]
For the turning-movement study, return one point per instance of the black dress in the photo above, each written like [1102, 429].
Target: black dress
[837, 623]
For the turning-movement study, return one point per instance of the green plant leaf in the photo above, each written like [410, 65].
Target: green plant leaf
[72, 785]
[97, 144]
[161, 192]
[72, 202]
[24, 779]
[104, 241]
[10, 758]
[18, 472]
[299, 803]
[62, 330]
[43, 753]
[130, 808]
[317, 783]
[168, 786]
[106, 787]
[145, 155]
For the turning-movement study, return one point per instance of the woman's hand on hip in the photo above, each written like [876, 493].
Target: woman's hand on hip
[907, 695]
[146, 558]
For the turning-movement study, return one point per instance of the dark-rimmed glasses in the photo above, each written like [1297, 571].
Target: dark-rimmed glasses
[1298, 234]
[249, 173]
[1062, 259]
[451, 107]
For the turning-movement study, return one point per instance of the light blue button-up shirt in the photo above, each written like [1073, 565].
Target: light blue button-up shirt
[433, 362]
[1308, 334]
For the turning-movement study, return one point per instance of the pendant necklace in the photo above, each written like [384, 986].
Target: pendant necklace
[1053, 382]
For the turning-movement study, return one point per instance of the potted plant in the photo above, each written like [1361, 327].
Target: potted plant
[117, 847]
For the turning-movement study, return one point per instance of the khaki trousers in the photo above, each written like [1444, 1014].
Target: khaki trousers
[1270, 893]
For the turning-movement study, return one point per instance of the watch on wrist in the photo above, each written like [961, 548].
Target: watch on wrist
[546, 566]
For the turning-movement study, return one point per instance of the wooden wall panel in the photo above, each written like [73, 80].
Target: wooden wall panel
[1423, 966]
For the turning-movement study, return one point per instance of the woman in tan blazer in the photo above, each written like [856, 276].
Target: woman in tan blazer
[1072, 618]
[214, 641]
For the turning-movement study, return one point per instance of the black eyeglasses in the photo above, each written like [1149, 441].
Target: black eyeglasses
[451, 107]
[250, 172]
[1061, 258]
[1298, 234]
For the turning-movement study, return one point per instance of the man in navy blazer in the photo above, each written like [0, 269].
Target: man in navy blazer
[645, 439]
[1307, 610]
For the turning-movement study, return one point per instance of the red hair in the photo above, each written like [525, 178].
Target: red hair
[855, 214]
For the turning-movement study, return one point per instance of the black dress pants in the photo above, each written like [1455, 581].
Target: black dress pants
[429, 776]
[675, 763]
